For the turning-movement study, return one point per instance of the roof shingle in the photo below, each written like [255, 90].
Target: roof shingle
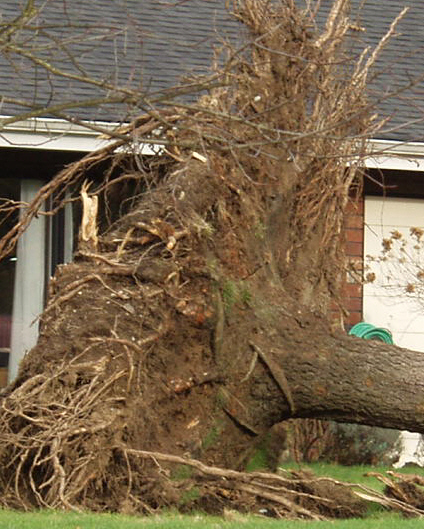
[152, 43]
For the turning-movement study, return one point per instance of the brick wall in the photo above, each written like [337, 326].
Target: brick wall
[354, 237]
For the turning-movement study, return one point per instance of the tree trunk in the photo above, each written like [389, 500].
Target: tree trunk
[334, 376]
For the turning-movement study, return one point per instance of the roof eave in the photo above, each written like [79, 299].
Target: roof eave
[60, 135]
[396, 155]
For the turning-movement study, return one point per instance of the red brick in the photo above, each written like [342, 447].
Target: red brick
[355, 207]
[354, 304]
[3, 377]
[353, 290]
[354, 318]
[354, 235]
[354, 249]
[354, 221]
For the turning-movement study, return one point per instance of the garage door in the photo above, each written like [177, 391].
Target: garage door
[387, 302]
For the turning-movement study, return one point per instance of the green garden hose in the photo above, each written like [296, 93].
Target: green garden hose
[371, 332]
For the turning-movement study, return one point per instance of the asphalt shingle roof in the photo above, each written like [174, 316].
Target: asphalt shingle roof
[152, 43]
[144, 43]
[401, 64]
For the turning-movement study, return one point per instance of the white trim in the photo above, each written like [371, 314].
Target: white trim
[403, 156]
[52, 134]
[28, 297]
[58, 135]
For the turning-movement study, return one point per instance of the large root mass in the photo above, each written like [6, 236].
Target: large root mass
[153, 350]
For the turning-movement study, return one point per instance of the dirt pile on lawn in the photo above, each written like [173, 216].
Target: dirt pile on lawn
[145, 364]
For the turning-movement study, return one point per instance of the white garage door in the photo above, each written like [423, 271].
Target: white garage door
[386, 301]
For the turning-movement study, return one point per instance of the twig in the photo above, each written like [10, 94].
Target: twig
[278, 498]
[218, 337]
[251, 367]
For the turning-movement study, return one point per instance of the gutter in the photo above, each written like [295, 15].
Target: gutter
[59, 135]
[396, 155]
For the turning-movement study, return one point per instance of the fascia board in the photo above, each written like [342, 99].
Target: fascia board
[59, 135]
[402, 156]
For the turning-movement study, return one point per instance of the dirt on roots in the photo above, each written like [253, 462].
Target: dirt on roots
[131, 383]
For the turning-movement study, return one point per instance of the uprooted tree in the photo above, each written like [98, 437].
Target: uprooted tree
[197, 320]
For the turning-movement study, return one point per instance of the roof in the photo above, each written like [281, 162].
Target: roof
[401, 64]
[144, 43]
[152, 43]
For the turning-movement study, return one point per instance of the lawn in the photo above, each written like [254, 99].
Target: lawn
[46, 520]
[378, 518]
[354, 473]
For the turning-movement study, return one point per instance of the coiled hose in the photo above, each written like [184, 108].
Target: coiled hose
[371, 332]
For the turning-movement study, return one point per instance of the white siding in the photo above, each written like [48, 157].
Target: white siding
[386, 305]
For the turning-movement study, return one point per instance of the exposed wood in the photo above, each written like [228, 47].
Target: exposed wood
[88, 238]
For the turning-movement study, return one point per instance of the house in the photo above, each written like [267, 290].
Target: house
[393, 191]
[150, 44]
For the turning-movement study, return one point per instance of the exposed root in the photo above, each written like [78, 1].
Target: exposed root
[278, 375]
[42, 434]
[403, 492]
[279, 492]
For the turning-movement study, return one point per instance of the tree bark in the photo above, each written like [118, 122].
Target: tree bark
[334, 376]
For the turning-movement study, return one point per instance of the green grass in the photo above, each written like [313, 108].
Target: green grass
[352, 474]
[48, 520]
[379, 519]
